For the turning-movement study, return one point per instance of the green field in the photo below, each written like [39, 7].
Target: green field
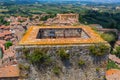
[106, 15]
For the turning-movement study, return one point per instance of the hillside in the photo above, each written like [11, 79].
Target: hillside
[103, 1]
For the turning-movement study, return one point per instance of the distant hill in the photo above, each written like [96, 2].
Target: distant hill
[19, 1]
[103, 1]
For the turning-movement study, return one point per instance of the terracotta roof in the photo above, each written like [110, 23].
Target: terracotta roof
[8, 37]
[114, 58]
[30, 37]
[113, 74]
[7, 27]
[9, 71]
[1, 27]
[118, 42]
[8, 54]
[7, 32]
[2, 35]
[67, 14]
[15, 23]
[4, 27]
[2, 41]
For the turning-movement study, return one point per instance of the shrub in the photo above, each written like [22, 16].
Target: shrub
[23, 67]
[63, 54]
[81, 62]
[97, 69]
[56, 70]
[112, 65]
[25, 52]
[108, 37]
[39, 56]
[117, 51]
[98, 49]
[8, 44]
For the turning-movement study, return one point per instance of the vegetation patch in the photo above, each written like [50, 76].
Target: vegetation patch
[40, 57]
[97, 69]
[23, 67]
[8, 44]
[47, 17]
[56, 70]
[26, 53]
[3, 22]
[81, 62]
[63, 55]
[116, 51]
[112, 65]
[99, 49]
[108, 37]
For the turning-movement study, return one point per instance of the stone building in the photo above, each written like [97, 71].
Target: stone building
[64, 17]
[67, 18]
[75, 40]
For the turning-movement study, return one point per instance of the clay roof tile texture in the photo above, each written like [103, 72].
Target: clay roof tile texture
[113, 74]
[9, 71]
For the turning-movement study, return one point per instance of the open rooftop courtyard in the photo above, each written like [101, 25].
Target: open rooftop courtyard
[60, 35]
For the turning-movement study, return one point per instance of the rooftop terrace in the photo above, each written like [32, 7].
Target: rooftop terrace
[59, 35]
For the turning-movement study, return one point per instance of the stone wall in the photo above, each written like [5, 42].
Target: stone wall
[94, 68]
[68, 16]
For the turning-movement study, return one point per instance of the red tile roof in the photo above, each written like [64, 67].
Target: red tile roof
[114, 58]
[4, 27]
[2, 35]
[14, 23]
[8, 37]
[9, 71]
[2, 41]
[113, 74]
[7, 32]
[118, 43]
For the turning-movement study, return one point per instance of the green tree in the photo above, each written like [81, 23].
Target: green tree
[3, 22]
[112, 65]
[8, 44]
[108, 37]
[47, 17]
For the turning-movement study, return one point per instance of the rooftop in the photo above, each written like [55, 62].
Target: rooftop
[9, 71]
[118, 43]
[2, 41]
[113, 74]
[30, 38]
[69, 14]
